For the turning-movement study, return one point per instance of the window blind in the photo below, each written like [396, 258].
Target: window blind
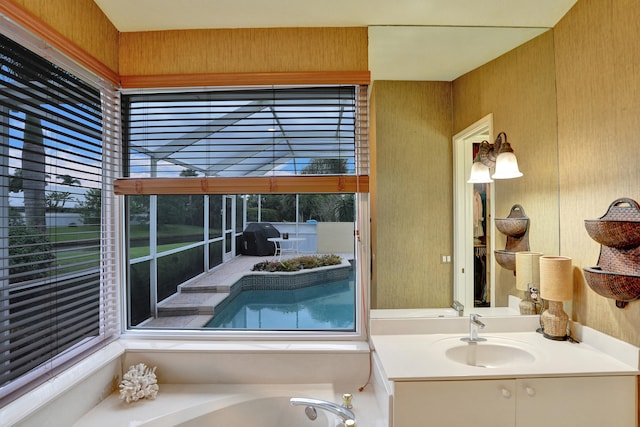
[246, 132]
[58, 133]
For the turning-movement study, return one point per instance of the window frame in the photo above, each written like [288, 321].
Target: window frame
[357, 183]
[107, 324]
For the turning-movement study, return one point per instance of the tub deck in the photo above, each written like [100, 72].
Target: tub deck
[178, 403]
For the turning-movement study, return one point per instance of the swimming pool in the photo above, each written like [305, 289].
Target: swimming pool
[328, 306]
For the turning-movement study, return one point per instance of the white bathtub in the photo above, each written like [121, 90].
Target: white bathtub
[258, 412]
[191, 405]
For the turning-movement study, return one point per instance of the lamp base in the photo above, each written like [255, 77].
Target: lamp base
[554, 338]
[527, 304]
[554, 322]
[527, 307]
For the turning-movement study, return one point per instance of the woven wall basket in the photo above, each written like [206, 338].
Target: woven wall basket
[516, 227]
[623, 288]
[506, 259]
[617, 274]
[619, 227]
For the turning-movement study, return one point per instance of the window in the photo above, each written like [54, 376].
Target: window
[197, 164]
[239, 133]
[57, 272]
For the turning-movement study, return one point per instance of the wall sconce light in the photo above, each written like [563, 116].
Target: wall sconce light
[556, 286]
[499, 155]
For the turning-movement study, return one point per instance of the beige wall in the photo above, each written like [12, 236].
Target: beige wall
[202, 51]
[412, 194]
[335, 237]
[597, 47]
[243, 50]
[519, 89]
[83, 23]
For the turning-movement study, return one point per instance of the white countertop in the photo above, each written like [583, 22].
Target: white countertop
[410, 357]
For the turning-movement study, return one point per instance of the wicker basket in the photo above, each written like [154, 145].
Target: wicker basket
[514, 227]
[621, 261]
[619, 227]
[506, 259]
[515, 224]
[621, 287]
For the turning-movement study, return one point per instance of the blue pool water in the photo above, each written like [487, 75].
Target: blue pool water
[329, 306]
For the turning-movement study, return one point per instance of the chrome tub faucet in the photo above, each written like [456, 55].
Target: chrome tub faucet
[310, 405]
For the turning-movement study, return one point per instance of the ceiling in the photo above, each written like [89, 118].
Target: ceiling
[408, 39]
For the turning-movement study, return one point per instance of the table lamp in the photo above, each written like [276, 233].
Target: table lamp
[556, 285]
[527, 277]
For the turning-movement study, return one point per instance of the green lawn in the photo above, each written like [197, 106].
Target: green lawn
[90, 257]
[66, 234]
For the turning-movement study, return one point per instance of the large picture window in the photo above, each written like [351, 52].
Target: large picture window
[196, 217]
[57, 273]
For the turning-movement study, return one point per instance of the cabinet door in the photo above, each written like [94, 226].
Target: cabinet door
[483, 403]
[577, 402]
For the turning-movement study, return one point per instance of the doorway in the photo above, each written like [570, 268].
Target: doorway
[473, 210]
[229, 222]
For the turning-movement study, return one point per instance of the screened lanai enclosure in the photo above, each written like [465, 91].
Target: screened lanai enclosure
[211, 153]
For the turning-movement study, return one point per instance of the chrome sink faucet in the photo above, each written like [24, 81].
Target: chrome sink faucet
[458, 307]
[474, 325]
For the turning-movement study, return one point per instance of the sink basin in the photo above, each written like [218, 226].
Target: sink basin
[489, 355]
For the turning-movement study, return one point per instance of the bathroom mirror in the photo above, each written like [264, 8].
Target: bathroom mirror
[518, 89]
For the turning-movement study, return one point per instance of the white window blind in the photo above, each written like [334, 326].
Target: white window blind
[58, 133]
[246, 132]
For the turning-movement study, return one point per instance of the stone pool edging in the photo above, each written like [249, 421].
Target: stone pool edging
[195, 303]
[285, 280]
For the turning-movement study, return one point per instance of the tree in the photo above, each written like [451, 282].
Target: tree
[327, 207]
[345, 208]
[56, 200]
[15, 182]
[309, 206]
[30, 253]
[33, 176]
[138, 211]
[29, 247]
[326, 167]
[91, 207]
[69, 180]
[191, 205]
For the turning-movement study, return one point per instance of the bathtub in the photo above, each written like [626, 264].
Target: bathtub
[191, 405]
[262, 412]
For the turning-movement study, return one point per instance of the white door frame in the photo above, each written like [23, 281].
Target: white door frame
[228, 227]
[463, 254]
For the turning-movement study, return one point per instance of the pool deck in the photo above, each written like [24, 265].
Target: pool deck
[194, 303]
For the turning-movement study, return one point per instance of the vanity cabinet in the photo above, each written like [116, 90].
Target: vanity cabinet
[525, 402]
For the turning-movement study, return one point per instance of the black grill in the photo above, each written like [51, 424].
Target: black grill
[254, 239]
